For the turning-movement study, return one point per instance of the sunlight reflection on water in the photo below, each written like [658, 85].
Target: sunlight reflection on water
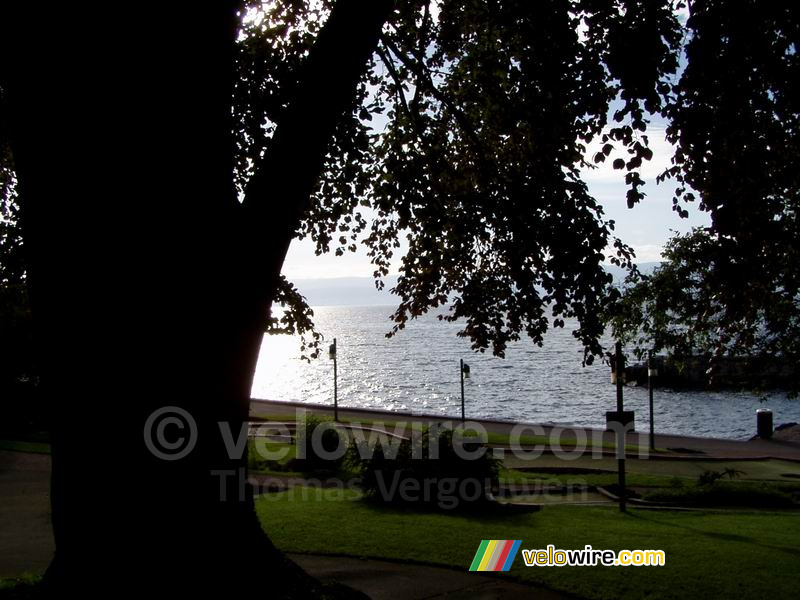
[418, 371]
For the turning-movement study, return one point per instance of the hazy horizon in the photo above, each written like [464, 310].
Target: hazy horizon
[361, 291]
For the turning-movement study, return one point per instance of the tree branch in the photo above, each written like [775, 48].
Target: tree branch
[424, 79]
[279, 192]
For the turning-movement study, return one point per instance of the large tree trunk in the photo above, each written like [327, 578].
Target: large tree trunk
[149, 282]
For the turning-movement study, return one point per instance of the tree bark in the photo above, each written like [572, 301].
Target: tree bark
[149, 282]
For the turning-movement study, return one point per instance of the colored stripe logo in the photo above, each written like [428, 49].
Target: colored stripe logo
[495, 555]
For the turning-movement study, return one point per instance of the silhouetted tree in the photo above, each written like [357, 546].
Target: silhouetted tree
[467, 140]
[149, 281]
[18, 373]
[156, 219]
[734, 287]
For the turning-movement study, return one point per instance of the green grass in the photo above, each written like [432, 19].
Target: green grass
[653, 473]
[24, 587]
[769, 470]
[708, 554]
[267, 450]
[591, 479]
[286, 418]
[725, 493]
[679, 485]
[500, 439]
[283, 418]
[24, 446]
[567, 444]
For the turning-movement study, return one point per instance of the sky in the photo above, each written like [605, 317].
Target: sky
[646, 227]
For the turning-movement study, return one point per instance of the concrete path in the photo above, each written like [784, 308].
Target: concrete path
[26, 536]
[681, 445]
[385, 580]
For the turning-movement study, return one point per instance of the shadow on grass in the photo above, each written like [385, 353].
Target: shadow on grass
[714, 535]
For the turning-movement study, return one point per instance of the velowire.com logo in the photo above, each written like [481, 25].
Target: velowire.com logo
[495, 555]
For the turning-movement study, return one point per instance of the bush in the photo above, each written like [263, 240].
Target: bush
[256, 462]
[710, 477]
[325, 456]
[430, 469]
[725, 493]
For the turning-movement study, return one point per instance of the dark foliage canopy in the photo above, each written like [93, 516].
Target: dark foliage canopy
[466, 141]
[464, 148]
[732, 287]
[456, 153]
[11, 263]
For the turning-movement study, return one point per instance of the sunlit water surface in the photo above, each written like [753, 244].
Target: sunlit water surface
[417, 371]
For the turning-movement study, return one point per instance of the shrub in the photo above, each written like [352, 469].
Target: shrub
[318, 456]
[710, 477]
[725, 493]
[430, 469]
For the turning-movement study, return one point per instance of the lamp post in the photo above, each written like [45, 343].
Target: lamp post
[464, 373]
[619, 362]
[651, 372]
[332, 355]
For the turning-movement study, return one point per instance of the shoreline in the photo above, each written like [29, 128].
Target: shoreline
[711, 447]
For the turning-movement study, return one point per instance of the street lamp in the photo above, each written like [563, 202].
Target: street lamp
[464, 373]
[332, 355]
[619, 362]
[652, 371]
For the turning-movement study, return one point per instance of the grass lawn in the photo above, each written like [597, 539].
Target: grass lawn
[25, 446]
[491, 437]
[708, 554]
[769, 469]
[593, 479]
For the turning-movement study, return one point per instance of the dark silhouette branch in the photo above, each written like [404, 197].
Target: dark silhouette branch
[398, 82]
[278, 194]
[417, 66]
[425, 81]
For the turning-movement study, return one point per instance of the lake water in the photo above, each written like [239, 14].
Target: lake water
[418, 371]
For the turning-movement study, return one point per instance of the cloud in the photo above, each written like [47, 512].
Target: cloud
[606, 173]
[648, 252]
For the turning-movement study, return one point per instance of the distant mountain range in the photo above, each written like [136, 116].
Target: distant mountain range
[619, 274]
[361, 291]
[346, 291]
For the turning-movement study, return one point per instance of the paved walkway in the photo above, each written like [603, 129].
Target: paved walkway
[26, 538]
[385, 580]
[681, 445]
